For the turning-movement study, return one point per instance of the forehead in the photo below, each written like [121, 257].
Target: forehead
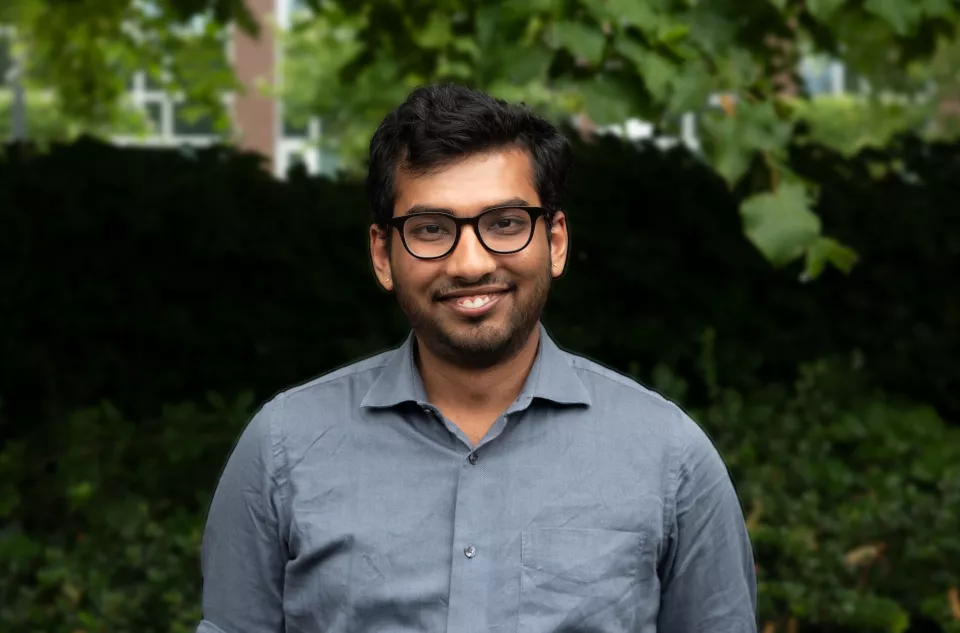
[471, 184]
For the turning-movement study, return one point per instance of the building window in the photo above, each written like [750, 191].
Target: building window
[169, 118]
[821, 76]
[293, 128]
[290, 12]
[154, 113]
[150, 83]
[184, 124]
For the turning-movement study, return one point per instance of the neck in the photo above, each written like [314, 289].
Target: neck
[492, 389]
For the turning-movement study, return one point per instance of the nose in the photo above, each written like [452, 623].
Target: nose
[470, 260]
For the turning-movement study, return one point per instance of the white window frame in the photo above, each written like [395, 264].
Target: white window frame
[142, 96]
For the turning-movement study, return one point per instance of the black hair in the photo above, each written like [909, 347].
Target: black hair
[440, 124]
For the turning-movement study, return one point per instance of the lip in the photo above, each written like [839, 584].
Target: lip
[495, 297]
[476, 292]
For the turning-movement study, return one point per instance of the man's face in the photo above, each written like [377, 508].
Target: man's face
[505, 293]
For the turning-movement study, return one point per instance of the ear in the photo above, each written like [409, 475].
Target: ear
[380, 256]
[559, 243]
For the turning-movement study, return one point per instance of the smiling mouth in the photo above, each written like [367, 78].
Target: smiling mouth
[475, 305]
[477, 301]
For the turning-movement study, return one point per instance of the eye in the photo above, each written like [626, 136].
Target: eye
[427, 229]
[507, 224]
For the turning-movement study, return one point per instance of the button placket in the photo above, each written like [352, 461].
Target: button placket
[472, 554]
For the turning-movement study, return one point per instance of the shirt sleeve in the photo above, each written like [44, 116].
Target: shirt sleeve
[708, 578]
[244, 554]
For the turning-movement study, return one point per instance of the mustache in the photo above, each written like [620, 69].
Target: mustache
[446, 289]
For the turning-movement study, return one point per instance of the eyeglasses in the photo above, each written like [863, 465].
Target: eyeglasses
[501, 230]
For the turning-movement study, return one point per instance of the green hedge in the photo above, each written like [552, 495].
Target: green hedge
[149, 276]
[853, 499]
[104, 519]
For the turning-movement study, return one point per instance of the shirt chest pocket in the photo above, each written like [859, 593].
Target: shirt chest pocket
[583, 580]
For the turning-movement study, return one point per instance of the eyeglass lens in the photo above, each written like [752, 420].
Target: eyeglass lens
[501, 231]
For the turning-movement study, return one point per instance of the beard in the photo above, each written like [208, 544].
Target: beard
[478, 343]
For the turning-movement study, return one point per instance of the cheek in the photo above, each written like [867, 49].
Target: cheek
[414, 276]
[531, 263]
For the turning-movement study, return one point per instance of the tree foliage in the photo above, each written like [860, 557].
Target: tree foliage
[83, 54]
[732, 63]
[609, 60]
[48, 124]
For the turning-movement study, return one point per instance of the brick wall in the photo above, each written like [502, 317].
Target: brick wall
[255, 115]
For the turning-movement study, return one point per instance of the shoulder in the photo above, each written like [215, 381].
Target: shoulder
[624, 400]
[345, 385]
[300, 415]
[659, 430]
[627, 406]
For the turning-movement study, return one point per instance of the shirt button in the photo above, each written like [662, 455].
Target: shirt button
[470, 551]
[472, 458]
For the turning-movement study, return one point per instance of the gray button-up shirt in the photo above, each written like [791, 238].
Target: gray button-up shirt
[592, 504]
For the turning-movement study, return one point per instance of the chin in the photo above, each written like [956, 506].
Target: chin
[476, 341]
[484, 342]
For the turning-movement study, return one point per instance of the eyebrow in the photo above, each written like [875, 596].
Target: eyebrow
[426, 208]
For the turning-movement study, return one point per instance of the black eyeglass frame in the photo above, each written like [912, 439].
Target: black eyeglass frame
[535, 213]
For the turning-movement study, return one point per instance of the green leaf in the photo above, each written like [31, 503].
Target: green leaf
[738, 69]
[637, 13]
[487, 21]
[714, 33]
[763, 129]
[730, 157]
[691, 86]
[604, 101]
[672, 33]
[436, 33]
[80, 493]
[938, 9]
[522, 64]
[823, 10]
[453, 69]
[656, 71]
[780, 223]
[849, 124]
[467, 46]
[902, 16]
[524, 7]
[826, 250]
[734, 140]
[900, 622]
[584, 42]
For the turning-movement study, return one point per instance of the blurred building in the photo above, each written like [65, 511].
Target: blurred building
[258, 120]
[259, 123]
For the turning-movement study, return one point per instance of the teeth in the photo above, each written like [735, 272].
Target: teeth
[474, 302]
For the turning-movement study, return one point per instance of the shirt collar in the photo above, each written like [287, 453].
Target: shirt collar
[551, 378]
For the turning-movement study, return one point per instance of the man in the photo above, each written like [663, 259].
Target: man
[477, 478]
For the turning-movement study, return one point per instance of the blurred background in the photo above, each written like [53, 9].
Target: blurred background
[765, 219]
